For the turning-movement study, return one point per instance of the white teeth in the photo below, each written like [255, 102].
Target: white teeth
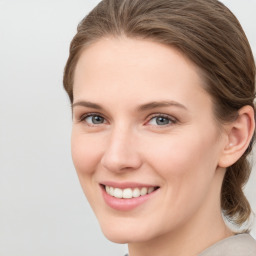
[143, 191]
[136, 192]
[111, 191]
[118, 193]
[128, 192]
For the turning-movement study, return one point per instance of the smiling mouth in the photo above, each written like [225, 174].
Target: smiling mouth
[129, 193]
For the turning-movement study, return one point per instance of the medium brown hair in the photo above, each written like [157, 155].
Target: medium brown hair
[210, 36]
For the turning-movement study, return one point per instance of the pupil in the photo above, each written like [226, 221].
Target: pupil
[162, 120]
[97, 120]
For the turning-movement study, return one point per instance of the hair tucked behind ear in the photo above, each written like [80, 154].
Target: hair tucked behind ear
[233, 201]
[210, 36]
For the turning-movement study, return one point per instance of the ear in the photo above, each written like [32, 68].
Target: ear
[239, 134]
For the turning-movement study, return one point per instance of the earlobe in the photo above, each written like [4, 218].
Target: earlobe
[239, 134]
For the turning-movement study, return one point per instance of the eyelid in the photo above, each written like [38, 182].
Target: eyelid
[84, 116]
[171, 118]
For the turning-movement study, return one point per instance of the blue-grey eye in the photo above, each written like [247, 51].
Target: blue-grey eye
[159, 120]
[94, 119]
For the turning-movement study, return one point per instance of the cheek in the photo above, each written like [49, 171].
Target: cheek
[187, 167]
[85, 153]
[178, 154]
[186, 163]
[86, 157]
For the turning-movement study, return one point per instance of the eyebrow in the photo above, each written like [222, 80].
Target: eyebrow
[87, 104]
[141, 108]
[160, 104]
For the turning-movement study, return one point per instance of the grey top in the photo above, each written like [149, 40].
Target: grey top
[237, 245]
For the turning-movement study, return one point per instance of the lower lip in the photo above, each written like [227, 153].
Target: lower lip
[125, 204]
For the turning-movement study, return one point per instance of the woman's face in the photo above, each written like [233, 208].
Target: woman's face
[145, 143]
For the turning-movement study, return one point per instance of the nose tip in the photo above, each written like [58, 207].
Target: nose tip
[121, 155]
[116, 164]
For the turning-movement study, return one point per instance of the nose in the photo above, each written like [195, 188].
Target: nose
[121, 152]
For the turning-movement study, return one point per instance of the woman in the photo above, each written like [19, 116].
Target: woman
[163, 119]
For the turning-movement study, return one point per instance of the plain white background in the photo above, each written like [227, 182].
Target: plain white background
[42, 208]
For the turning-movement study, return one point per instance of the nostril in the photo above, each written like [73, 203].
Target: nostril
[121, 161]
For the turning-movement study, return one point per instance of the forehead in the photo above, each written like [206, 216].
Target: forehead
[134, 54]
[135, 68]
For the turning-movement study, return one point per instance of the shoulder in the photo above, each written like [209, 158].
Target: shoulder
[237, 245]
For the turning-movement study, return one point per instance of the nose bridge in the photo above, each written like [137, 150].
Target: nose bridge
[121, 152]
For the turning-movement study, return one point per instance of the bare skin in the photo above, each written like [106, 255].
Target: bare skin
[141, 116]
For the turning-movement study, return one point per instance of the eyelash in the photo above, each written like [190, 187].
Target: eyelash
[83, 117]
[171, 119]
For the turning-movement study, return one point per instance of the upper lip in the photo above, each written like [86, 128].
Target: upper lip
[123, 185]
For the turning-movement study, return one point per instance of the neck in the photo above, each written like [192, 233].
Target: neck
[187, 242]
[202, 230]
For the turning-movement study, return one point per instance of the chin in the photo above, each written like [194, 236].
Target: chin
[117, 237]
[125, 238]
[128, 232]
